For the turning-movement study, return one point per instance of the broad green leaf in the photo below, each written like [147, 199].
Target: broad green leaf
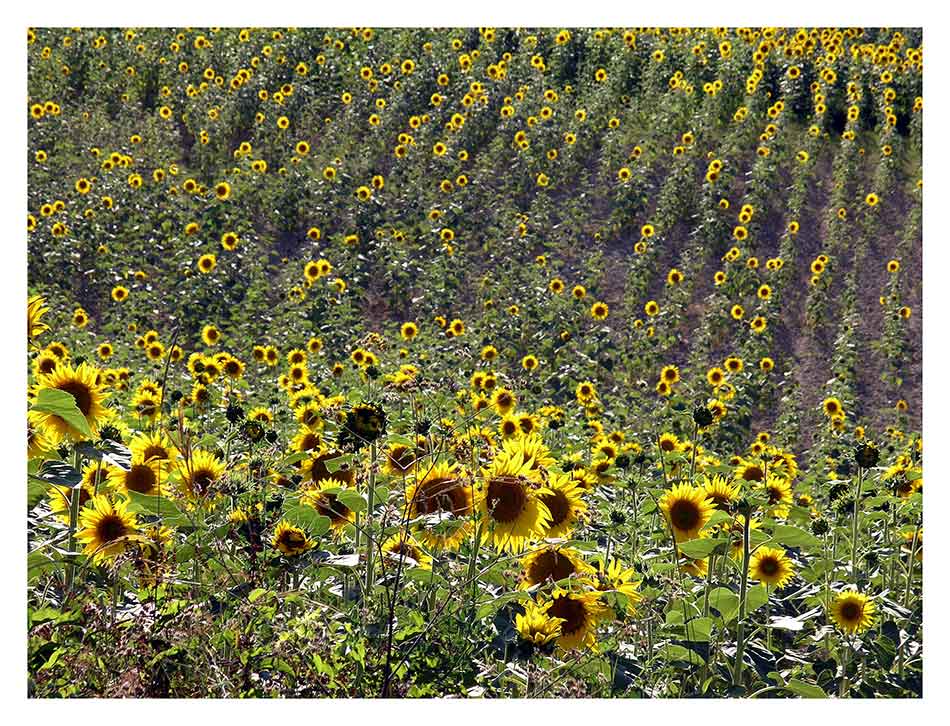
[700, 548]
[308, 519]
[165, 509]
[679, 653]
[351, 500]
[805, 690]
[59, 403]
[726, 602]
[795, 537]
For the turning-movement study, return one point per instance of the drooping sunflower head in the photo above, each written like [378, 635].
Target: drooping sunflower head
[531, 447]
[687, 509]
[510, 502]
[852, 612]
[551, 564]
[614, 577]
[106, 528]
[771, 566]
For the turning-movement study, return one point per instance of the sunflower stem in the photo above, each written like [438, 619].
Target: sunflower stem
[854, 527]
[73, 524]
[743, 587]
[370, 503]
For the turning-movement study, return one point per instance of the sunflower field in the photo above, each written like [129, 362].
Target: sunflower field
[474, 362]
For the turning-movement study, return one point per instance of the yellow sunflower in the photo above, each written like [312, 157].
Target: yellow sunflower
[510, 503]
[771, 566]
[687, 509]
[199, 473]
[551, 564]
[144, 477]
[565, 503]
[721, 491]
[441, 491]
[319, 496]
[399, 548]
[82, 384]
[106, 528]
[290, 540]
[536, 625]
[613, 577]
[580, 611]
[852, 612]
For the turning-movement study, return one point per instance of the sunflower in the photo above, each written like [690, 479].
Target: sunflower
[142, 477]
[290, 540]
[442, 491]
[199, 473]
[536, 626]
[530, 447]
[319, 496]
[580, 612]
[852, 611]
[402, 548]
[153, 446]
[612, 577]
[61, 496]
[551, 564]
[510, 502]
[82, 384]
[779, 491]
[687, 509]
[722, 493]
[832, 407]
[565, 503]
[599, 311]
[750, 471]
[771, 566]
[317, 468]
[35, 310]
[503, 401]
[106, 528]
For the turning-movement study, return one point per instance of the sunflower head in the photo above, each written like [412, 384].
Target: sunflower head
[852, 612]
[687, 509]
[771, 566]
[511, 503]
[290, 540]
[580, 613]
[106, 528]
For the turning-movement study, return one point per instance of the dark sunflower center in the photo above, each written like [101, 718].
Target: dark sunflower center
[47, 365]
[293, 540]
[559, 507]
[667, 445]
[309, 441]
[506, 499]
[769, 566]
[140, 478]
[81, 393]
[442, 495]
[201, 481]
[851, 611]
[571, 610]
[328, 506]
[550, 564]
[684, 514]
[110, 528]
[775, 495]
[752, 473]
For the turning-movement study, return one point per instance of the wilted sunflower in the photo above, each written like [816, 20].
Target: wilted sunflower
[687, 509]
[771, 566]
[580, 611]
[510, 503]
[290, 540]
[82, 384]
[852, 612]
[551, 564]
[106, 528]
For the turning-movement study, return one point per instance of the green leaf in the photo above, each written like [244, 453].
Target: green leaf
[62, 404]
[351, 500]
[308, 519]
[679, 653]
[726, 602]
[35, 491]
[165, 509]
[38, 564]
[795, 537]
[805, 690]
[700, 548]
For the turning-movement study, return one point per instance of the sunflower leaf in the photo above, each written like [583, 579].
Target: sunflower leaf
[795, 537]
[805, 690]
[165, 509]
[697, 549]
[62, 404]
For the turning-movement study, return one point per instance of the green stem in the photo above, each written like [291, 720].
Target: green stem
[854, 528]
[743, 587]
